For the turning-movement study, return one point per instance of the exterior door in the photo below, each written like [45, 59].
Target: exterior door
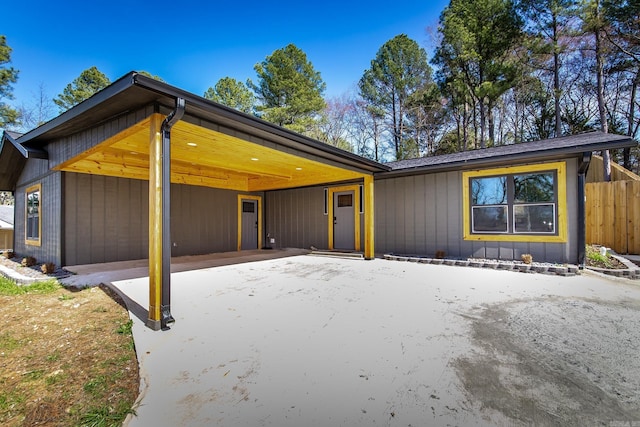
[249, 224]
[343, 220]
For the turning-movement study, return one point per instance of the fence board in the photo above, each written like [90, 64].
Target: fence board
[613, 215]
[619, 216]
[633, 217]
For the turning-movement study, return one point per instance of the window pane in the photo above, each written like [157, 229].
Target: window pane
[33, 215]
[489, 219]
[33, 202]
[248, 207]
[489, 191]
[534, 188]
[534, 218]
[345, 200]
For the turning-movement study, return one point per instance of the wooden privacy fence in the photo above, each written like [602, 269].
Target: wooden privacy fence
[613, 215]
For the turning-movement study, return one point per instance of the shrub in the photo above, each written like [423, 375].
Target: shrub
[526, 258]
[440, 254]
[28, 261]
[8, 254]
[48, 268]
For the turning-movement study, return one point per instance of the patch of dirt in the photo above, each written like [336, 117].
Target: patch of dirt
[65, 356]
[594, 259]
[569, 362]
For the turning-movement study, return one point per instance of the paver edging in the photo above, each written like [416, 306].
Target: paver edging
[631, 272]
[560, 270]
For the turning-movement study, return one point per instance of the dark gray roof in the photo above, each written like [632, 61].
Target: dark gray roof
[14, 135]
[13, 157]
[548, 149]
[6, 214]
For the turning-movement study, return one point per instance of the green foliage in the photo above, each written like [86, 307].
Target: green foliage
[83, 87]
[105, 416]
[232, 93]
[8, 343]
[125, 328]
[596, 258]
[8, 76]
[399, 70]
[476, 53]
[289, 89]
[9, 287]
[151, 76]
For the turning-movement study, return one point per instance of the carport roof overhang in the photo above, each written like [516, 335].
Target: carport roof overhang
[211, 146]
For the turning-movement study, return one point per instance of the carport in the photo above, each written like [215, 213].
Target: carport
[143, 129]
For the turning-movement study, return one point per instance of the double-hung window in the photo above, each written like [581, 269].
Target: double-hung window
[524, 203]
[33, 219]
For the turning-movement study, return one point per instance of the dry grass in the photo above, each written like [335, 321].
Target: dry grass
[67, 358]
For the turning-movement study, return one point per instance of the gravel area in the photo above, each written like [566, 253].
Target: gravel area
[28, 274]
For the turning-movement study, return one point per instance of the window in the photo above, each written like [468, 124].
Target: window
[345, 200]
[33, 219]
[248, 207]
[524, 203]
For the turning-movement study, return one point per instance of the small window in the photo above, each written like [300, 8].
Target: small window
[33, 218]
[345, 200]
[326, 201]
[248, 207]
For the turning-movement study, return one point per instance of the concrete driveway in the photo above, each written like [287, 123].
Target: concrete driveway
[316, 341]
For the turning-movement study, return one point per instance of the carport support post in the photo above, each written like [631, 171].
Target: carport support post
[160, 218]
[369, 227]
[155, 223]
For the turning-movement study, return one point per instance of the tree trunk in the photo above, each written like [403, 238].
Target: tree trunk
[556, 77]
[626, 154]
[491, 124]
[396, 140]
[483, 123]
[465, 123]
[606, 158]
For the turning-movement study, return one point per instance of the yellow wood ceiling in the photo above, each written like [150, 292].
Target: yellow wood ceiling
[204, 157]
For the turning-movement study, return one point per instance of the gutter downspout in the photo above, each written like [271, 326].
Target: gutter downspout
[583, 167]
[165, 305]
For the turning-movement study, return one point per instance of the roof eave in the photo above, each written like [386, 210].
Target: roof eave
[77, 110]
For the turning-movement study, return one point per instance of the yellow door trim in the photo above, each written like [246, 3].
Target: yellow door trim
[249, 197]
[356, 212]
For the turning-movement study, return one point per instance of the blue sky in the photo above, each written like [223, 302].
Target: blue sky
[193, 44]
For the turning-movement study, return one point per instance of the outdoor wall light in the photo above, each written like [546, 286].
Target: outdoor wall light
[192, 144]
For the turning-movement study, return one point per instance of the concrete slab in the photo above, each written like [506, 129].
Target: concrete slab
[316, 341]
[95, 274]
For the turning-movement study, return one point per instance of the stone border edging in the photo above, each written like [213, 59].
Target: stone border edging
[21, 279]
[560, 270]
[631, 272]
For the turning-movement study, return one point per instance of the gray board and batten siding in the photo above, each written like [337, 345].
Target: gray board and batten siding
[423, 213]
[36, 171]
[296, 217]
[107, 219]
